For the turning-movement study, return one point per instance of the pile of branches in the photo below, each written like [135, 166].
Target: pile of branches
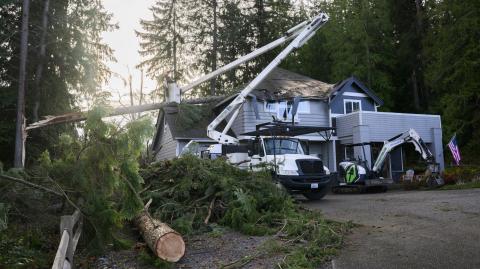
[190, 193]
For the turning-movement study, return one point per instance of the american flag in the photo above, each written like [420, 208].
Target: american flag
[454, 149]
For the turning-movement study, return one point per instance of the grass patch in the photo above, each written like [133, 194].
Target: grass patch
[461, 186]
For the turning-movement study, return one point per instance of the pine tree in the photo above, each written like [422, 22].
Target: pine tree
[359, 37]
[452, 51]
[166, 42]
[75, 66]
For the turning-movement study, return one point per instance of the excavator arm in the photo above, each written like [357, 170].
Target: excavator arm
[411, 136]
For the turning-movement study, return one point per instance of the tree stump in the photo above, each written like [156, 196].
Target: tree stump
[165, 242]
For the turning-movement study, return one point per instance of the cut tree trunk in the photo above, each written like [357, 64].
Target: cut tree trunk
[20, 135]
[165, 243]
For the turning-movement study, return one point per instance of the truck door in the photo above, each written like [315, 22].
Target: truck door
[258, 153]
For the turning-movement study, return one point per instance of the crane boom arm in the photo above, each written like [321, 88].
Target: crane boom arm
[411, 136]
[234, 107]
[289, 35]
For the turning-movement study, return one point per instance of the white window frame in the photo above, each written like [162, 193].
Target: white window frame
[345, 101]
[279, 115]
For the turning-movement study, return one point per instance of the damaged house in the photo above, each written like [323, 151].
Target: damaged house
[349, 106]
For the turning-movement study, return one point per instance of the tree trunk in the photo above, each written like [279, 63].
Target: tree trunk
[81, 116]
[416, 73]
[416, 95]
[41, 57]
[20, 134]
[213, 82]
[174, 42]
[162, 240]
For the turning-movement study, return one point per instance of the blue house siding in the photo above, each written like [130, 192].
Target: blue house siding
[337, 104]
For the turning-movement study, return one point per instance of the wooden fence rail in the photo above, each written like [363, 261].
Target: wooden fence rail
[69, 240]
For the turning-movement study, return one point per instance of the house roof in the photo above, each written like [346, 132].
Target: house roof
[342, 86]
[282, 84]
[186, 121]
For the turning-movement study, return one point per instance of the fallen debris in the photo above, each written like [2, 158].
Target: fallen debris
[81, 116]
[196, 196]
[165, 243]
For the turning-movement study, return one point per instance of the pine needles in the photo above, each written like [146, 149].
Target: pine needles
[184, 190]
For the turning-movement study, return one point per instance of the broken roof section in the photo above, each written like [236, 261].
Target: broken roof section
[282, 84]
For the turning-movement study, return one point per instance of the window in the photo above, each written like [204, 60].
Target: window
[352, 106]
[285, 110]
[349, 154]
[282, 146]
[303, 107]
[271, 106]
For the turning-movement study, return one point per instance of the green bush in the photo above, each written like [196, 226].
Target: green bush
[461, 174]
[25, 249]
[4, 216]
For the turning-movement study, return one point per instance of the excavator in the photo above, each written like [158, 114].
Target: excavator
[357, 175]
[272, 144]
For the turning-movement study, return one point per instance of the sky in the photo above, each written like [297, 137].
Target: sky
[124, 42]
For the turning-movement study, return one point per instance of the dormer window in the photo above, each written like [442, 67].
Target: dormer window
[352, 106]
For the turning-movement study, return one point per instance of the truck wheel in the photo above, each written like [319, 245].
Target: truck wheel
[315, 196]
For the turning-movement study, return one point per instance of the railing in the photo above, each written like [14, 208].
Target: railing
[69, 240]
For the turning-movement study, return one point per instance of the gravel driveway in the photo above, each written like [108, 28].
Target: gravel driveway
[408, 229]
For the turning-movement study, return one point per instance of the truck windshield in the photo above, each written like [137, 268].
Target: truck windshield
[281, 146]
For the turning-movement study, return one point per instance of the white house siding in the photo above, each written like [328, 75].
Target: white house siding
[168, 146]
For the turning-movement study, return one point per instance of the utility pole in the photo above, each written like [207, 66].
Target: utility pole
[20, 133]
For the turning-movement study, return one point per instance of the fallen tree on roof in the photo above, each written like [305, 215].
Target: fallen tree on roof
[82, 115]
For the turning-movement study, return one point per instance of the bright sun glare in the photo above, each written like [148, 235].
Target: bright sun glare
[124, 42]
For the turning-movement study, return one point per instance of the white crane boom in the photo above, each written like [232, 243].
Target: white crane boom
[289, 35]
[234, 107]
[174, 92]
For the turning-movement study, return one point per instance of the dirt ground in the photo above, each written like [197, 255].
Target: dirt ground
[407, 229]
[222, 247]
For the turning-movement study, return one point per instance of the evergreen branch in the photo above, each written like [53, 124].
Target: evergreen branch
[33, 185]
